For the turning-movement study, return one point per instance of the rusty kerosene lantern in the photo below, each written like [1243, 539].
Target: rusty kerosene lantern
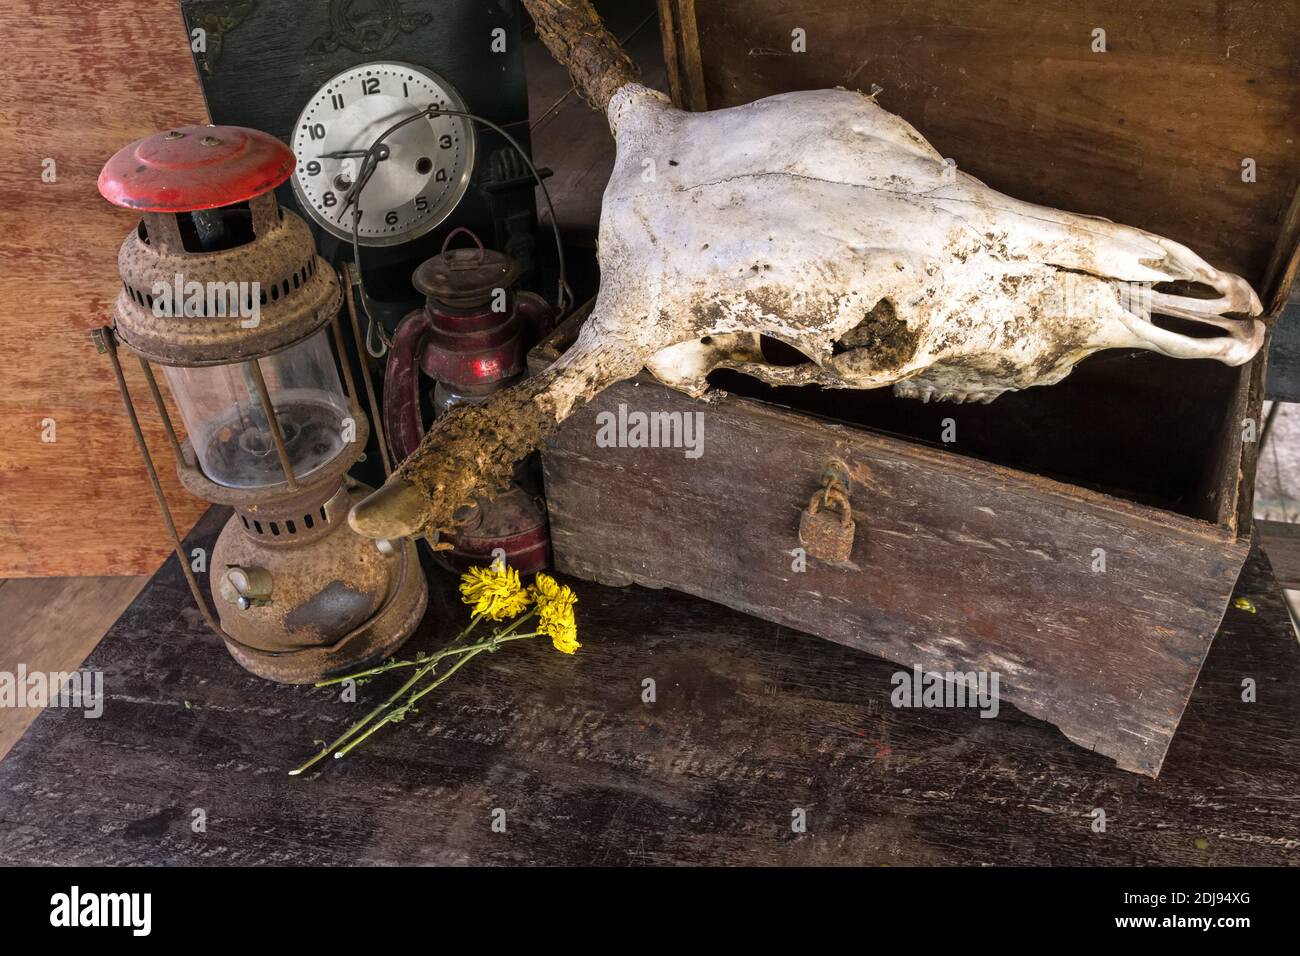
[471, 339]
[225, 291]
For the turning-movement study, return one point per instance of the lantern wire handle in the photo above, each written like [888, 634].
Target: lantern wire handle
[380, 438]
[106, 341]
[336, 332]
[370, 163]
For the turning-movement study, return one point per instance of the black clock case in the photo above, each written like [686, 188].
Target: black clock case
[263, 59]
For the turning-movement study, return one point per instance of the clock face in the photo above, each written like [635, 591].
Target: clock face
[426, 165]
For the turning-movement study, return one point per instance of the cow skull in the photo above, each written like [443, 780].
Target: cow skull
[821, 220]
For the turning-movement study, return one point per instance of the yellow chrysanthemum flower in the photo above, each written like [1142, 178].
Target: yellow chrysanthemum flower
[494, 592]
[555, 612]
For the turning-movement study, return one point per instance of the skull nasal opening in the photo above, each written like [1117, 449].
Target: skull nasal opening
[883, 333]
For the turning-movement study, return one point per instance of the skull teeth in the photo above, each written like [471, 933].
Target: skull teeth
[928, 393]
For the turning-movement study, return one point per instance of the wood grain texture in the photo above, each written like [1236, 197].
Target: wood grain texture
[78, 81]
[50, 625]
[1151, 132]
[681, 44]
[751, 720]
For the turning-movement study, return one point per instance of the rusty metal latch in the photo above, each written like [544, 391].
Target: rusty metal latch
[824, 534]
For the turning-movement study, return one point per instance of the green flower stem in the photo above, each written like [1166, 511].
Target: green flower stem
[381, 669]
[448, 651]
[347, 734]
[397, 713]
[473, 650]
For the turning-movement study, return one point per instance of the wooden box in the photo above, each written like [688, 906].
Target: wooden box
[1081, 540]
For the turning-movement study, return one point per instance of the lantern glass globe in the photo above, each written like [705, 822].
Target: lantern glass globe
[228, 428]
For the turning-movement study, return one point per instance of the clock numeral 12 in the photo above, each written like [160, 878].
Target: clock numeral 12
[370, 85]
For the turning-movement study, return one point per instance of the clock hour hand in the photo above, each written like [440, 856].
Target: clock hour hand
[353, 153]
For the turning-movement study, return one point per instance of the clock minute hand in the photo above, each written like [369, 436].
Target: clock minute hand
[353, 153]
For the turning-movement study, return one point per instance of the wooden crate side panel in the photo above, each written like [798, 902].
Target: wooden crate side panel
[958, 565]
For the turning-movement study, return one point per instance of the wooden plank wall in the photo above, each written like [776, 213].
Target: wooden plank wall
[78, 80]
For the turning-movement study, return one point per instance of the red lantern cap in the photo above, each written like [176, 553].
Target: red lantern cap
[195, 167]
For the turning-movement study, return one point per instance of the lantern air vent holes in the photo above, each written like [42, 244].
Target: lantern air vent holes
[198, 307]
[286, 526]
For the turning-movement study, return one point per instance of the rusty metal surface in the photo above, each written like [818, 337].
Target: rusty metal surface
[826, 534]
[336, 600]
[465, 278]
[514, 522]
[297, 291]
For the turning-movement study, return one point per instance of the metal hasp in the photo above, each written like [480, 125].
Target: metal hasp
[224, 291]
[471, 339]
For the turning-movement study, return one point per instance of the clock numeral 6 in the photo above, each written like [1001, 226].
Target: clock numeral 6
[316, 131]
[370, 85]
[390, 217]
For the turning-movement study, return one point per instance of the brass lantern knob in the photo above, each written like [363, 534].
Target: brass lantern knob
[246, 587]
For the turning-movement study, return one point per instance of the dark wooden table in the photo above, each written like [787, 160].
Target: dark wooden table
[751, 722]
